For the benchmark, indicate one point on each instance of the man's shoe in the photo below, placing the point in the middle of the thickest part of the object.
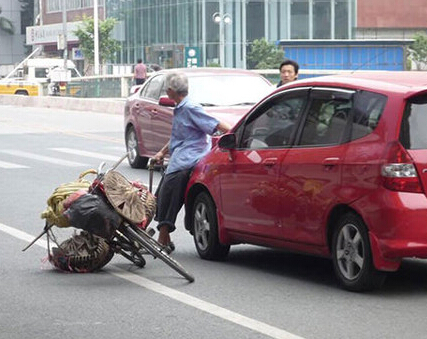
(169, 248)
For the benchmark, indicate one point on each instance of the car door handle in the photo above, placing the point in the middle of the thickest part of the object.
(331, 161)
(269, 162)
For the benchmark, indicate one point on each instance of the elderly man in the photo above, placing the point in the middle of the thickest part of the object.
(188, 143)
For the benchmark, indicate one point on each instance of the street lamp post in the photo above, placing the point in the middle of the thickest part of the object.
(64, 33)
(95, 37)
(221, 19)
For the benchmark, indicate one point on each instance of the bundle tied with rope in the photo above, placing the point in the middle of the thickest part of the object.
(55, 203)
(133, 201)
(83, 252)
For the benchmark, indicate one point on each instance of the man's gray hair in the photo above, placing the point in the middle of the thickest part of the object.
(178, 82)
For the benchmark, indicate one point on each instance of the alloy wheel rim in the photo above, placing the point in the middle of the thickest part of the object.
(131, 146)
(201, 227)
(350, 252)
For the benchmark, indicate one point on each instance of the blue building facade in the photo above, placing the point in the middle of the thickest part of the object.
(348, 55)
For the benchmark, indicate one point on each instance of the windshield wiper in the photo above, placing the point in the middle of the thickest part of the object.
(207, 104)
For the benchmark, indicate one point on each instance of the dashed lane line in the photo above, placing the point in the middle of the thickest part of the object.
(9, 165)
(51, 160)
(86, 153)
(215, 310)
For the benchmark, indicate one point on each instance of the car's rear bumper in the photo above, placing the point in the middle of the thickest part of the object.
(397, 223)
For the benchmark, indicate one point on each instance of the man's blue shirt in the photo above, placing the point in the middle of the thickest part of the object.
(189, 140)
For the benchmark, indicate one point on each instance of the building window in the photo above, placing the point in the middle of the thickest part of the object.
(341, 20)
(56, 5)
(299, 19)
(322, 19)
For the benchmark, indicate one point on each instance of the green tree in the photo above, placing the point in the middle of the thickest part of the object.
(264, 55)
(6, 25)
(418, 50)
(107, 45)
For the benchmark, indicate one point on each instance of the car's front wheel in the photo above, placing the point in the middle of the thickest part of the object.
(206, 229)
(134, 159)
(352, 256)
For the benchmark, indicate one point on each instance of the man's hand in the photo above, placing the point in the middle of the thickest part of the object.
(159, 157)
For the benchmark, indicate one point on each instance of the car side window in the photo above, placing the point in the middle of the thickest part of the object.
(368, 108)
(154, 88)
(326, 121)
(274, 123)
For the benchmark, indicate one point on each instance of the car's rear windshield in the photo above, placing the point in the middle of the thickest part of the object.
(413, 128)
(228, 90)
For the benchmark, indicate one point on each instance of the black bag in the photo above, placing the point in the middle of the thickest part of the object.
(92, 214)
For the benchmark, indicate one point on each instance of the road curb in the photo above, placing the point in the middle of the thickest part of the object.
(100, 105)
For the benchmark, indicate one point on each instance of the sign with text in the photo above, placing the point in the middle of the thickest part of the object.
(48, 34)
(192, 57)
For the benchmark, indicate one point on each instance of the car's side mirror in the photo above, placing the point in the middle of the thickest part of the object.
(165, 101)
(227, 141)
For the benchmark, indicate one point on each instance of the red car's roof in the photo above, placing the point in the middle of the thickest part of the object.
(393, 81)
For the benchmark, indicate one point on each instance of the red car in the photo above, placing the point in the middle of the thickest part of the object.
(224, 93)
(330, 166)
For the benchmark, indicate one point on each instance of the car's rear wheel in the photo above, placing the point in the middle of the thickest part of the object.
(352, 256)
(206, 229)
(134, 159)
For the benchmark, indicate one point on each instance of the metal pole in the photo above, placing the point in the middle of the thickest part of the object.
(96, 36)
(64, 29)
(221, 34)
(41, 12)
(22, 62)
(244, 34)
(204, 31)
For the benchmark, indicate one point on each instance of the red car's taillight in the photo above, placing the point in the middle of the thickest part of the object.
(399, 172)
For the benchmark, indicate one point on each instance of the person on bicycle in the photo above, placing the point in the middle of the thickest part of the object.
(188, 143)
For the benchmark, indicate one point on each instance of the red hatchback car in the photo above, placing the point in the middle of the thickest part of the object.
(224, 93)
(331, 166)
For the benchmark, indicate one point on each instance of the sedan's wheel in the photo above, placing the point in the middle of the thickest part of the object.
(206, 229)
(352, 257)
(134, 159)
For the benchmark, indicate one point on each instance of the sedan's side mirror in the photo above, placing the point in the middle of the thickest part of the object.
(227, 141)
(165, 101)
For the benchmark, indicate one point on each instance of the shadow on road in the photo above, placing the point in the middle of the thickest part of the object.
(411, 278)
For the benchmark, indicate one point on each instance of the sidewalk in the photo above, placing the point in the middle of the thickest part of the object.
(100, 105)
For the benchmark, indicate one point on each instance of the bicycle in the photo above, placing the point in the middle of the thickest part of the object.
(113, 213)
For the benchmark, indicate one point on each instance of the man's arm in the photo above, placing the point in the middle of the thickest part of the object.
(223, 127)
(160, 155)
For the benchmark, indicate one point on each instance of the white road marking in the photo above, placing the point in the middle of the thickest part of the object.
(22, 235)
(205, 306)
(4, 164)
(220, 312)
(51, 160)
(87, 154)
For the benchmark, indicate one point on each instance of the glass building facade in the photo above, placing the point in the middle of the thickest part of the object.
(220, 32)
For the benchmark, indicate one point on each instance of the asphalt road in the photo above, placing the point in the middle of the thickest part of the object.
(256, 293)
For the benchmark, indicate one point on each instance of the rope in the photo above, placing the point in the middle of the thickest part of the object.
(55, 203)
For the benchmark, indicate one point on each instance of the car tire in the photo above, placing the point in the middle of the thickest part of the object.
(205, 229)
(134, 159)
(352, 256)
